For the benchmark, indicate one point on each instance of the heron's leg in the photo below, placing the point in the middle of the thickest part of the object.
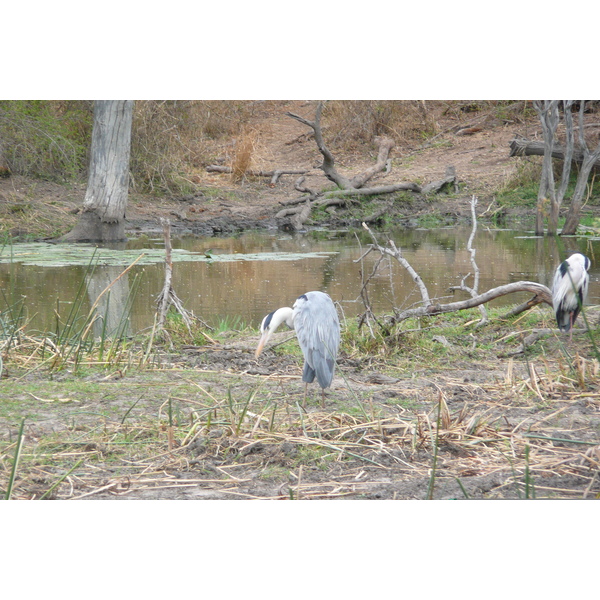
(305, 394)
(323, 397)
(571, 328)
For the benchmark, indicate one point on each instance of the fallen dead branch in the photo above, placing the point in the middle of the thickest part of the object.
(348, 187)
(524, 147)
(541, 294)
(274, 175)
(356, 183)
(437, 186)
(374, 191)
(301, 214)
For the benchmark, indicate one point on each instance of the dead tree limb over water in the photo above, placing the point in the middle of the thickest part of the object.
(429, 307)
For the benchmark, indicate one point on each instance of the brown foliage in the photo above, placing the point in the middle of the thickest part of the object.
(352, 122)
(244, 151)
(171, 138)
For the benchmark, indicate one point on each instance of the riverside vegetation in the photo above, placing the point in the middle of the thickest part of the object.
(436, 408)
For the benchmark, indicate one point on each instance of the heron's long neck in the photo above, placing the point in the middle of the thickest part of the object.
(282, 315)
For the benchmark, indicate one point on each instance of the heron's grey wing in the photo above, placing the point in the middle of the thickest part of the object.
(318, 330)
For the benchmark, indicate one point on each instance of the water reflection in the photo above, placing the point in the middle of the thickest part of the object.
(109, 293)
(249, 289)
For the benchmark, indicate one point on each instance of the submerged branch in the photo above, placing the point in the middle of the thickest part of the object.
(396, 253)
(472, 252)
(541, 294)
(167, 296)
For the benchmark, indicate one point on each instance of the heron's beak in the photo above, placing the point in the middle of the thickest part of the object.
(263, 338)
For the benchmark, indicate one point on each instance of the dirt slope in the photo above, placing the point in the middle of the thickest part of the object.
(219, 205)
(480, 157)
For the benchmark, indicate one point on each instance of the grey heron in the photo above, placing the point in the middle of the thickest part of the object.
(315, 320)
(569, 289)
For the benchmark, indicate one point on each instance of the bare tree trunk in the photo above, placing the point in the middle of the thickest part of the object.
(549, 200)
(569, 150)
(547, 111)
(574, 214)
(589, 160)
(105, 202)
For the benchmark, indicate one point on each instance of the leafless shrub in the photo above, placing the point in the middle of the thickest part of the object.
(170, 137)
(220, 118)
(46, 139)
(359, 121)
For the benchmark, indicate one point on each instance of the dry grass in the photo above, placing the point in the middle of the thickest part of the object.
(176, 433)
(353, 122)
(21, 210)
(243, 155)
(171, 140)
(322, 456)
(45, 139)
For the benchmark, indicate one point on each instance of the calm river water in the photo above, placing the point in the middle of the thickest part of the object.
(247, 288)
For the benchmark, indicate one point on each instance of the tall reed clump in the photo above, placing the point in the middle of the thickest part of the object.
(243, 155)
(100, 332)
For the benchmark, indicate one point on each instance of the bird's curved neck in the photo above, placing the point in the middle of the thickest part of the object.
(282, 315)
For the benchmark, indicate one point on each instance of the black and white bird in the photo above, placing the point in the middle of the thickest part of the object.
(315, 320)
(569, 289)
